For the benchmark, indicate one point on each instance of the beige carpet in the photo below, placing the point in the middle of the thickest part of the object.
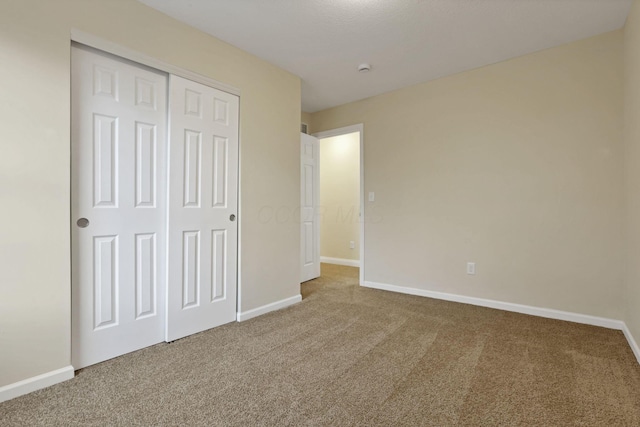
(353, 356)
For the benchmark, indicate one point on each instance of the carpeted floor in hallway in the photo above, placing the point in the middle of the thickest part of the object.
(348, 355)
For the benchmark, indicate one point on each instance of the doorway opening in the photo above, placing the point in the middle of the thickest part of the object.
(341, 207)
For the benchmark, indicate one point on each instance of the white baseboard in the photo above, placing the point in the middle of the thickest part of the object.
(632, 342)
(250, 314)
(340, 261)
(29, 385)
(506, 306)
(518, 308)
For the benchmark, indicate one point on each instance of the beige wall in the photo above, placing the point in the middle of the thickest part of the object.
(516, 166)
(632, 167)
(34, 163)
(340, 196)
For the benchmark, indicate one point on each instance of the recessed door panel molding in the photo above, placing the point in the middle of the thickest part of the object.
(307, 150)
(118, 206)
(192, 103)
(308, 248)
(205, 118)
(191, 176)
(146, 275)
(105, 155)
(190, 268)
(105, 82)
(221, 111)
(218, 264)
(308, 179)
(146, 165)
(309, 207)
(220, 161)
(105, 282)
(146, 93)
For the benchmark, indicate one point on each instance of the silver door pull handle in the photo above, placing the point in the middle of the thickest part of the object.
(232, 217)
(83, 222)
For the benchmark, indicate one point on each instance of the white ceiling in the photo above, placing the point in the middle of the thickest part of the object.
(405, 41)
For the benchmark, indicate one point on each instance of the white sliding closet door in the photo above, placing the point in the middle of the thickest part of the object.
(203, 230)
(118, 222)
(128, 237)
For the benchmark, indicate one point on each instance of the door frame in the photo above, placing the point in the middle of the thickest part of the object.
(343, 131)
(112, 48)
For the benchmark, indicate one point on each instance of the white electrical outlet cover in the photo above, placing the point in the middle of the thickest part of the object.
(471, 268)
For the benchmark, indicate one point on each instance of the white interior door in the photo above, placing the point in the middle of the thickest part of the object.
(203, 230)
(118, 210)
(309, 207)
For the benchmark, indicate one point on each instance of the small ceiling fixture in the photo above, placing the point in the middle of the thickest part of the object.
(364, 68)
